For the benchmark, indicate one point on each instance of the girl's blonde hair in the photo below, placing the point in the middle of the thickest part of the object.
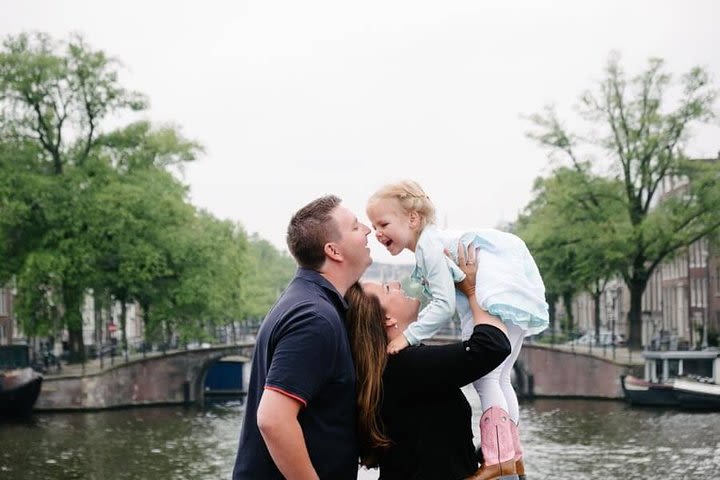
(410, 196)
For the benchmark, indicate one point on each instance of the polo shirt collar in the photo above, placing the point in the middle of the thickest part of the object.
(316, 278)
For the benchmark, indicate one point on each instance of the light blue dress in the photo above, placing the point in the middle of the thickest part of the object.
(508, 283)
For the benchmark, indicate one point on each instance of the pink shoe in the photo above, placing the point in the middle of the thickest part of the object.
(519, 464)
(496, 444)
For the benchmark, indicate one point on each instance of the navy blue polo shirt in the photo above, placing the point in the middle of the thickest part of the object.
(303, 351)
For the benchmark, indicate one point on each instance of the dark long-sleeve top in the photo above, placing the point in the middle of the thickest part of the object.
(425, 413)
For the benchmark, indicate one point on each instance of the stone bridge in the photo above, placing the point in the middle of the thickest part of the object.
(545, 371)
(176, 377)
(553, 371)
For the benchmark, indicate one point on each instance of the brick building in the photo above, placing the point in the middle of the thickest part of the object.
(682, 295)
(6, 316)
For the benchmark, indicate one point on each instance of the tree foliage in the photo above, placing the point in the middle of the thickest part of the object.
(86, 209)
(575, 229)
(641, 126)
(267, 274)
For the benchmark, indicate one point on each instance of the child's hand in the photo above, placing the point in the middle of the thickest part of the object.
(398, 344)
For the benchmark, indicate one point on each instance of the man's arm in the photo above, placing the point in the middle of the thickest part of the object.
(277, 420)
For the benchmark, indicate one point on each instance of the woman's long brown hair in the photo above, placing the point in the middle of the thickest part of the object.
(368, 342)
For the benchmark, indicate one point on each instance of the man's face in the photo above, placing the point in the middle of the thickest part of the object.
(353, 241)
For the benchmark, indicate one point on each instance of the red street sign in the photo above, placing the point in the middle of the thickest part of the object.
(112, 327)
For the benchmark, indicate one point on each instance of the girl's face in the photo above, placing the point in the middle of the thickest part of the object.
(394, 228)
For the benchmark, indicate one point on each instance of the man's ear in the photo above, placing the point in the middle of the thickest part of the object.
(390, 321)
(332, 251)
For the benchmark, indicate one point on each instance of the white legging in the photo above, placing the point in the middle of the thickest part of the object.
(495, 388)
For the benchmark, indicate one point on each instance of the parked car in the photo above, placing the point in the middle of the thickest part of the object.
(606, 338)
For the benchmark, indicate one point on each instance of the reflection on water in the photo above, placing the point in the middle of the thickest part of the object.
(589, 439)
(564, 439)
(155, 443)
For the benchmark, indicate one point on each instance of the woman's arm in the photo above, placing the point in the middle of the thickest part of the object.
(428, 369)
(432, 369)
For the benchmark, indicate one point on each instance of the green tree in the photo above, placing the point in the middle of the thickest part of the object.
(56, 95)
(209, 258)
(53, 97)
(130, 225)
(268, 273)
(643, 134)
(137, 211)
(57, 163)
(86, 210)
(23, 198)
(575, 229)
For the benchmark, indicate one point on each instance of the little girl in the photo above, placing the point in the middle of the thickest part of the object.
(508, 285)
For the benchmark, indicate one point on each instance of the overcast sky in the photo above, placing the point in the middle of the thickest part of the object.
(295, 99)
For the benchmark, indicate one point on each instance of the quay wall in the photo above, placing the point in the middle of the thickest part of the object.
(548, 372)
(178, 378)
(174, 378)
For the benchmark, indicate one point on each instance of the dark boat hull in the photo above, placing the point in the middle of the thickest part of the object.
(641, 392)
(680, 393)
(697, 396)
(19, 399)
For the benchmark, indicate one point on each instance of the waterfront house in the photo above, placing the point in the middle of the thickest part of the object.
(682, 295)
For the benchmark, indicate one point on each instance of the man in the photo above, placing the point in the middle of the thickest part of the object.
(300, 409)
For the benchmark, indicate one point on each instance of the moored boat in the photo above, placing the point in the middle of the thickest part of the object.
(20, 385)
(697, 395)
(687, 379)
(641, 392)
(19, 390)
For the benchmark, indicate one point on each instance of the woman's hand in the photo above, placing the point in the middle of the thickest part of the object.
(466, 262)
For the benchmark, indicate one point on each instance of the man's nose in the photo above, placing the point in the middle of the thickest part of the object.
(394, 285)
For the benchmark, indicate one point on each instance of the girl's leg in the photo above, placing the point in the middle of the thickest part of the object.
(489, 390)
(501, 452)
(495, 388)
(516, 336)
(466, 319)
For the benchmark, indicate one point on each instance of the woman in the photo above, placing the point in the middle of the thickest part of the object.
(414, 421)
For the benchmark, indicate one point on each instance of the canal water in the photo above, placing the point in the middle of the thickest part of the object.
(564, 439)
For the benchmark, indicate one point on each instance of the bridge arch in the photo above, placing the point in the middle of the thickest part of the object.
(197, 384)
(172, 378)
(522, 380)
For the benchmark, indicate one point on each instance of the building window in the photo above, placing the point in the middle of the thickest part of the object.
(3, 303)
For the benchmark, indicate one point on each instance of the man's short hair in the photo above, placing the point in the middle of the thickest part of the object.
(310, 229)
